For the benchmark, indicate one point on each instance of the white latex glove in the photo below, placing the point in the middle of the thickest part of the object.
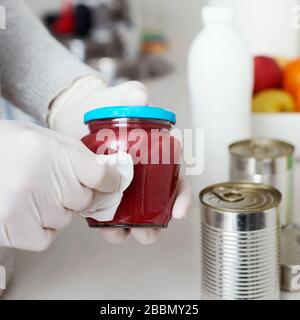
(44, 181)
(66, 115)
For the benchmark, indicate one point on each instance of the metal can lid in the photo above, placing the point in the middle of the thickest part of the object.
(290, 246)
(261, 148)
(240, 197)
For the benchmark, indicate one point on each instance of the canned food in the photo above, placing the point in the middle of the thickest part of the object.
(240, 241)
(268, 161)
(290, 258)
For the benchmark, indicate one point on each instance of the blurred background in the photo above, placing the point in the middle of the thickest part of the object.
(127, 32)
(123, 39)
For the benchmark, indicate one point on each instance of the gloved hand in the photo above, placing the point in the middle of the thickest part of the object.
(66, 115)
(44, 182)
(67, 110)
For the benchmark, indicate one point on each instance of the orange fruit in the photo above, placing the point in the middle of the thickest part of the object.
(291, 78)
(297, 99)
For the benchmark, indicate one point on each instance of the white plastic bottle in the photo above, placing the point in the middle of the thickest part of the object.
(220, 71)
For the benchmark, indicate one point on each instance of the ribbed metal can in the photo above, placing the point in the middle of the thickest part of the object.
(240, 241)
(263, 160)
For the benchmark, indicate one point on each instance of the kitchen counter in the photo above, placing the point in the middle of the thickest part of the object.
(81, 265)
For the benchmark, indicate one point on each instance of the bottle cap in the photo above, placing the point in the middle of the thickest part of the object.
(143, 112)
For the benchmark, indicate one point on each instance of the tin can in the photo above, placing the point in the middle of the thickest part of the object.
(290, 258)
(240, 241)
(267, 161)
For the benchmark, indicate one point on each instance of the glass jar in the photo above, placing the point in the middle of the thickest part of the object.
(144, 133)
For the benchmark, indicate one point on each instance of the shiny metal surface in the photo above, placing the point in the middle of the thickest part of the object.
(268, 161)
(240, 242)
(290, 258)
(6, 267)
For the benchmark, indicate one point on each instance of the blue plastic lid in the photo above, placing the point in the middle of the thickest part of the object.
(145, 112)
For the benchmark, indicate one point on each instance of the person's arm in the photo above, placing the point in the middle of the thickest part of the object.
(38, 74)
(34, 67)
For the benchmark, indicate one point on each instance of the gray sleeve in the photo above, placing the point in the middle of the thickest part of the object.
(34, 67)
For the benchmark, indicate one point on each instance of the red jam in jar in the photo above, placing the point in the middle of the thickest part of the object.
(144, 133)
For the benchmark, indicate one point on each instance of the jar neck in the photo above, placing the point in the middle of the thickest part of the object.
(130, 123)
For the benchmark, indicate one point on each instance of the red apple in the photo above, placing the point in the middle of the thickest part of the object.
(267, 74)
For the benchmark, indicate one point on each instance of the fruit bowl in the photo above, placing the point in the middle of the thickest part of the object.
(282, 126)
